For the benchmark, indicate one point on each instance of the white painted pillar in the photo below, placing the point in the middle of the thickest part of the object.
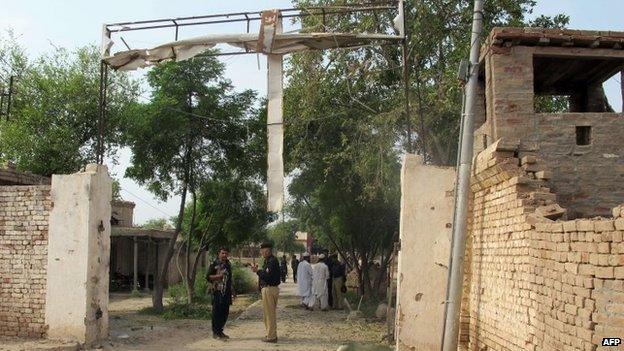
(78, 256)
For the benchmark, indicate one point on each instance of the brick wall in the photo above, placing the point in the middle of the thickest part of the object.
(579, 178)
(23, 259)
(534, 281)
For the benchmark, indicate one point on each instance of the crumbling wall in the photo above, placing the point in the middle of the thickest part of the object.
(426, 217)
(579, 179)
(24, 214)
(533, 281)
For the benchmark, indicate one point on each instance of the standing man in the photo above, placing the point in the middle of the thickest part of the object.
(220, 274)
(304, 282)
(330, 263)
(339, 277)
(319, 283)
(284, 268)
(269, 278)
(294, 264)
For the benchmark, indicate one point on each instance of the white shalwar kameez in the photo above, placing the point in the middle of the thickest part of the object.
(304, 283)
(319, 285)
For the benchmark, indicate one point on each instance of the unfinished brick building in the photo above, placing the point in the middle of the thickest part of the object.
(543, 271)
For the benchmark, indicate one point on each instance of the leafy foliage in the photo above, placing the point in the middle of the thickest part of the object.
(52, 129)
(283, 237)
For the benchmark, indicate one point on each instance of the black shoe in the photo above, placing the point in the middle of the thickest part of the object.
(273, 341)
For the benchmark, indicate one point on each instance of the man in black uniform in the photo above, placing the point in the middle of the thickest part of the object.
(294, 264)
(220, 274)
(269, 277)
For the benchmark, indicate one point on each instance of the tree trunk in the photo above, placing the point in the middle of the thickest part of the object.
(161, 277)
(190, 279)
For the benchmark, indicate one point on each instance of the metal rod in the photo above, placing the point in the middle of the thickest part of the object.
(456, 263)
(377, 6)
(125, 27)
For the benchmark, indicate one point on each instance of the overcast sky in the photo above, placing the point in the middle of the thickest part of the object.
(75, 23)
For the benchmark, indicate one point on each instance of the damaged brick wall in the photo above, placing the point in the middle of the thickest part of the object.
(533, 281)
(24, 214)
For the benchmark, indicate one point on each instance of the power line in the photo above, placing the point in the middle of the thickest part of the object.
(146, 202)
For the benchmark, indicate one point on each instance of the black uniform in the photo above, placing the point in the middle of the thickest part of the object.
(269, 275)
(330, 299)
(221, 294)
(294, 263)
(284, 269)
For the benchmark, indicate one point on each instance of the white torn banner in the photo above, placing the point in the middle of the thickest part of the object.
(275, 132)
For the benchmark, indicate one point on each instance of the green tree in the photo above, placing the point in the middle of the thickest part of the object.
(346, 122)
(157, 223)
(283, 236)
(52, 127)
(193, 126)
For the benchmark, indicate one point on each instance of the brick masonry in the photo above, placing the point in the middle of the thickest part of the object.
(579, 179)
(533, 280)
(24, 214)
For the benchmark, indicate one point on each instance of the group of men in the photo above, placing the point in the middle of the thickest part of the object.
(321, 285)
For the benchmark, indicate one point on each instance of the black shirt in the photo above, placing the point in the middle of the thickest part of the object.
(269, 275)
(338, 270)
(222, 287)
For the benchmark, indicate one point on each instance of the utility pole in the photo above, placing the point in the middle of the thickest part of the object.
(8, 96)
(456, 264)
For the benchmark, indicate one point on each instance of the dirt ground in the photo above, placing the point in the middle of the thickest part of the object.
(298, 329)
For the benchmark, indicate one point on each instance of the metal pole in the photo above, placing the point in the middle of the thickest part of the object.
(456, 263)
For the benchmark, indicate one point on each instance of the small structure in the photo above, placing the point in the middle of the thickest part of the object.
(136, 253)
(306, 239)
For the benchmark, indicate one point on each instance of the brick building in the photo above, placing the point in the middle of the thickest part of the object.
(543, 272)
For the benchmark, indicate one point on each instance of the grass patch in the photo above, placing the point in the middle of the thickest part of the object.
(181, 311)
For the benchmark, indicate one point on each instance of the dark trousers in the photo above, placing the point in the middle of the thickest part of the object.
(330, 299)
(220, 312)
(295, 276)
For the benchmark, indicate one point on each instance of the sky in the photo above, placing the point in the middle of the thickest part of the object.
(40, 24)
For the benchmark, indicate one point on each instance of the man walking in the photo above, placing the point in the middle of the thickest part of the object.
(269, 277)
(294, 264)
(284, 269)
(319, 283)
(304, 281)
(220, 274)
(339, 277)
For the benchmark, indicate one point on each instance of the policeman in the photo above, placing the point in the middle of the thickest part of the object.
(269, 277)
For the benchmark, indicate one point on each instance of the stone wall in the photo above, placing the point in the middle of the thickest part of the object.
(426, 217)
(24, 214)
(534, 281)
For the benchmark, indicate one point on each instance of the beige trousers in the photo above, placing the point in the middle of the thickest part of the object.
(270, 294)
(337, 293)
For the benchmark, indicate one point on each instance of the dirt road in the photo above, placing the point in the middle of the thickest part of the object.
(298, 329)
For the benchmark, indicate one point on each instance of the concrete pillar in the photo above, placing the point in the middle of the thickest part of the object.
(426, 218)
(78, 256)
(135, 264)
(147, 264)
